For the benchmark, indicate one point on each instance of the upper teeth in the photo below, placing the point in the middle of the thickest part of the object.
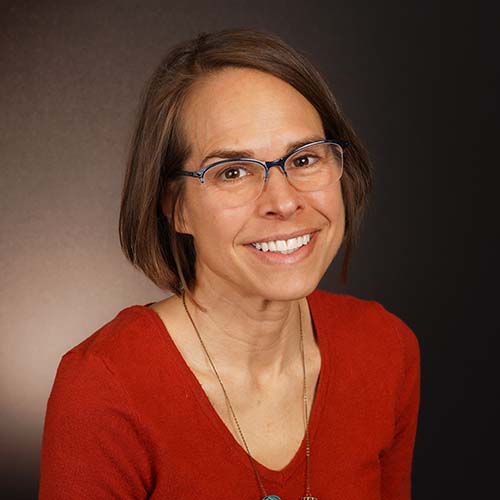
(283, 245)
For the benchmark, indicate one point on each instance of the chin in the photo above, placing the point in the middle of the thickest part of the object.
(287, 290)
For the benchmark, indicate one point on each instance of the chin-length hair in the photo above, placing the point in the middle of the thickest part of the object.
(152, 194)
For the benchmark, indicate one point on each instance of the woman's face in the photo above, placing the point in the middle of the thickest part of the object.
(245, 109)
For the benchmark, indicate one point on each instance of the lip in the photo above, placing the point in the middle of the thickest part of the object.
(282, 236)
(277, 258)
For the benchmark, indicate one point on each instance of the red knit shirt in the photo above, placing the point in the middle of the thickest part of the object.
(127, 418)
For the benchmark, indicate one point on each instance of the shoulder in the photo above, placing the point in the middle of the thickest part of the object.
(110, 367)
(366, 325)
(122, 343)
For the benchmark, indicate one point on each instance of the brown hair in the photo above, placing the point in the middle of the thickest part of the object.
(151, 194)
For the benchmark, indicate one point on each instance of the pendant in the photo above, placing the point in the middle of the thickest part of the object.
(276, 497)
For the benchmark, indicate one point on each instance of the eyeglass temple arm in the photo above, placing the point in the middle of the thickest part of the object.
(187, 174)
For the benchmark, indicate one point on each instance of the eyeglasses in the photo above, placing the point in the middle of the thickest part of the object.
(238, 181)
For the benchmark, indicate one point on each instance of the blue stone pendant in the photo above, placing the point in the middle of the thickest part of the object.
(276, 497)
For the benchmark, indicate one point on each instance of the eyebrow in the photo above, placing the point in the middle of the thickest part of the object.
(231, 153)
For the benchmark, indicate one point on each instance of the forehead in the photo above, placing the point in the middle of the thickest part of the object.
(241, 107)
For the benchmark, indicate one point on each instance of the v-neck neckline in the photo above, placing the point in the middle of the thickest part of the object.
(277, 476)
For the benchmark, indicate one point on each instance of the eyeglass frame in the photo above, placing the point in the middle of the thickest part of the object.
(200, 174)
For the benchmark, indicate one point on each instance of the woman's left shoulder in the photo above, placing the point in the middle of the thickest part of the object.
(367, 321)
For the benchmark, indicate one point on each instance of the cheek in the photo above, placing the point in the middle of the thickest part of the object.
(330, 203)
(210, 225)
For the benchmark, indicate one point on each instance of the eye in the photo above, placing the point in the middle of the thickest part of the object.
(234, 172)
(304, 160)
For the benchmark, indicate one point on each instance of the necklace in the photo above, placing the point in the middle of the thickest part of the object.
(306, 416)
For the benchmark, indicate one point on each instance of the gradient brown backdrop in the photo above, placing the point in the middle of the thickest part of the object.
(71, 74)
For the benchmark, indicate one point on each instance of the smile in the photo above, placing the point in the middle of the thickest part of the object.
(283, 246)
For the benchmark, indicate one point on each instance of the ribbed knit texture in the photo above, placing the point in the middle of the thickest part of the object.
(127, 418)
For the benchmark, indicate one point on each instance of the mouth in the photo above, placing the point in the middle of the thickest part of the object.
(285, 251)
(284, 246)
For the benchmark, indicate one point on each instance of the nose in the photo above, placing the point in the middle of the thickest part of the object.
(278, 195)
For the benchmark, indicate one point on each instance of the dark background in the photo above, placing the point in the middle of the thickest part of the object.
(416, 79)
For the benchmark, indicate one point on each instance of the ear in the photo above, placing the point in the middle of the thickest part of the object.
(181, 223)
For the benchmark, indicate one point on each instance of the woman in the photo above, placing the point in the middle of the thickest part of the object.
(248, 382)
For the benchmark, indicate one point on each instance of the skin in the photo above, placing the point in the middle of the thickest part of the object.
(251, 329)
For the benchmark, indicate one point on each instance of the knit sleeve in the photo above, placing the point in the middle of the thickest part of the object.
(92, 446)
(396, 461)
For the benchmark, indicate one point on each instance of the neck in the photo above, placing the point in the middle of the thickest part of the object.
(250, 337)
